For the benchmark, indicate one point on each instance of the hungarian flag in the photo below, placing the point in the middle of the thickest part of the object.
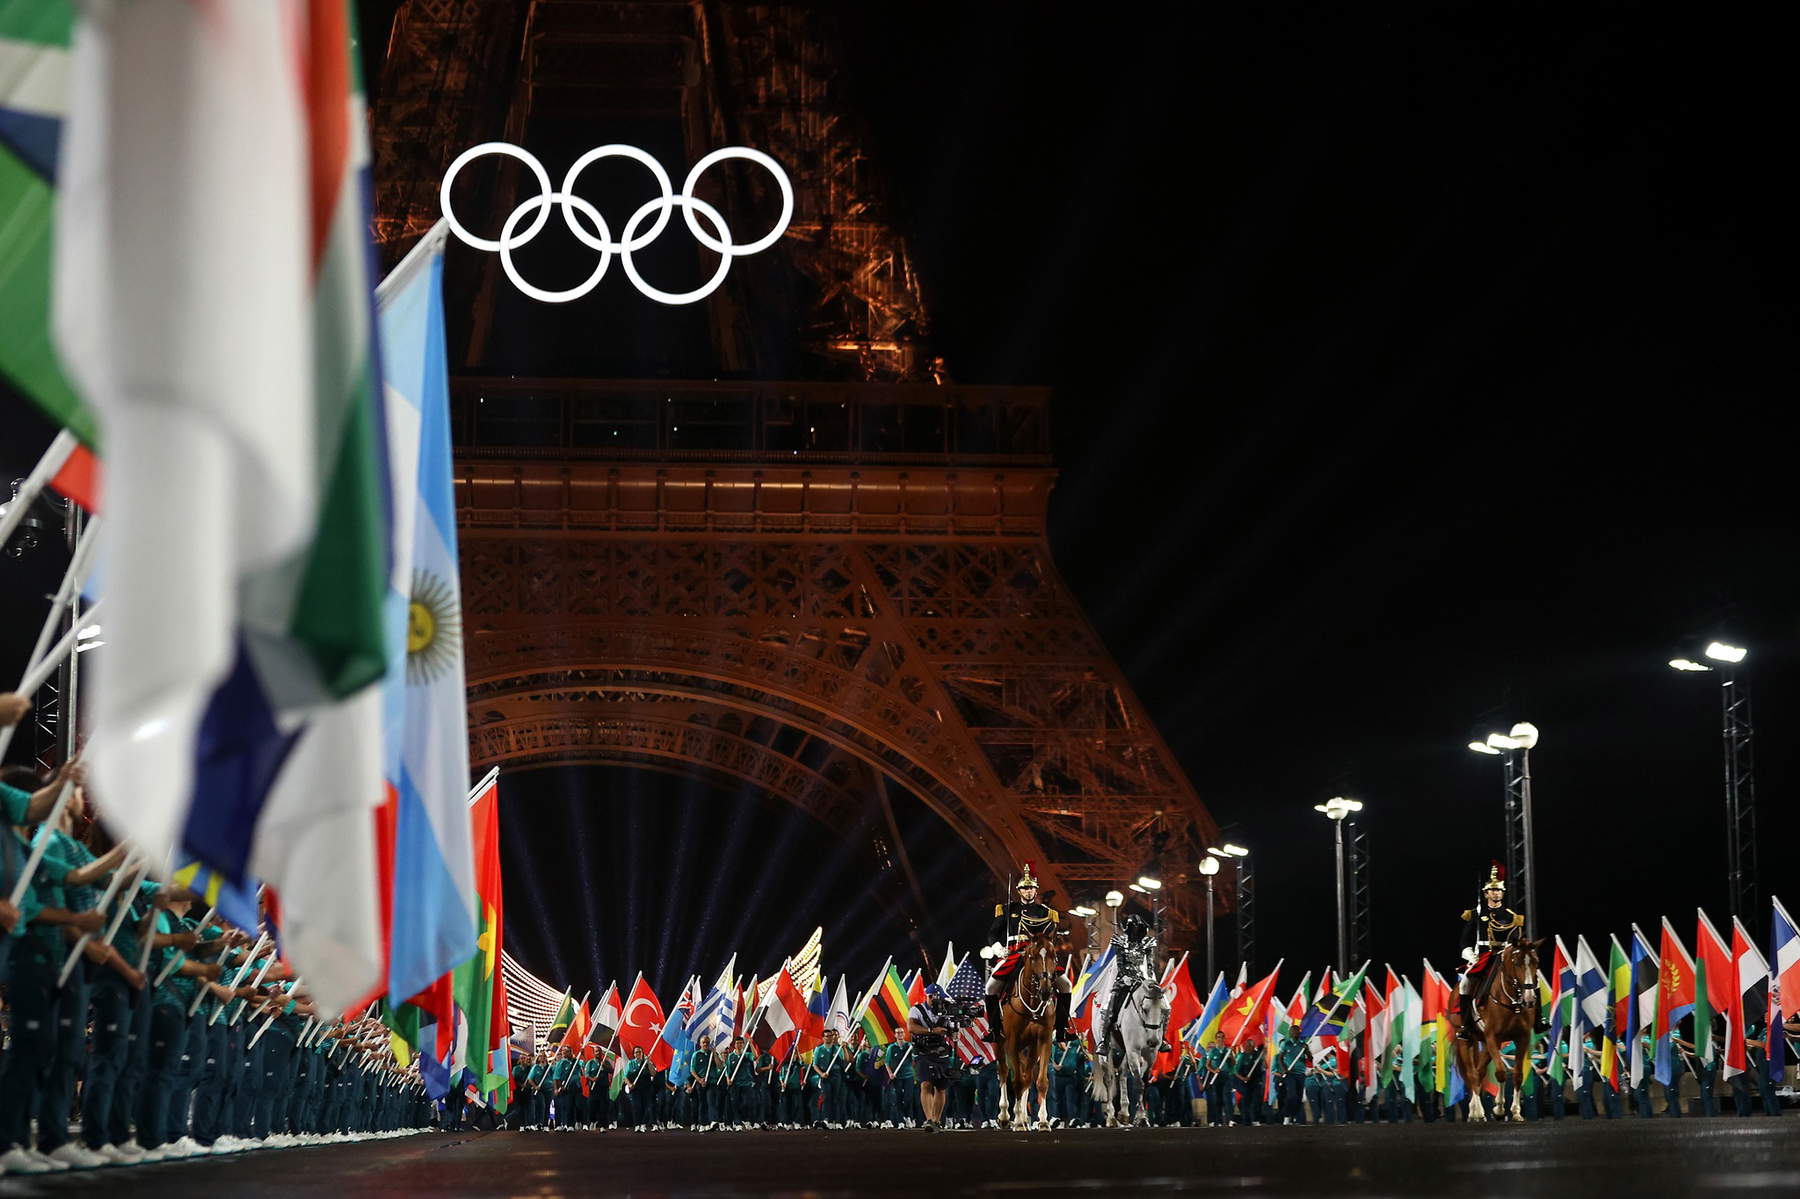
(1716, 980)
(1674, 1000)
(212, 305)
(1244, 1014)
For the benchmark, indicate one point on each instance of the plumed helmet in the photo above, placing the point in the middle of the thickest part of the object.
(1496, 879)
(1026, 878)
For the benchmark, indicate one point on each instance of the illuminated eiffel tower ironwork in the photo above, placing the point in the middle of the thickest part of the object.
(834, 589)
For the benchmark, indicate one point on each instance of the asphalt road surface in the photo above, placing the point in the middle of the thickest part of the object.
(1627, 1157)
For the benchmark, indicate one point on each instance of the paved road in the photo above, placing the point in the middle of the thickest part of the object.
(1653, 1158)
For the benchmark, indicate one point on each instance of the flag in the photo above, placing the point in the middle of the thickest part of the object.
(947, 970)
(1749, 971)
(786, 1012)
(641, 1025)
(1715, 978)
(1332, 1008)
(1613, 1049)
(1410, 1040)
(1203, 1030)
(1784, 983)
(673, 1038)
(1562, 1012)
(235, 902)
(891, 993)
(1096, 977)
(1674, 1000)
(915, 992)
(966, 987)
(565, 1016)
(1646, 975)
(34, 95)
(1244, 1013)
(1590, 1002)
(212, 304)
(580, 1027)
(1393, 1024)
(715, 1015)
(817, 1007)
(481, 987)
(1185, 1005)
(606, 1014)
(1375, 1036)
(837, 1016)
(426, 751)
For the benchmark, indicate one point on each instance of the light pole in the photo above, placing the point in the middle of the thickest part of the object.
(1209, 866)
(1740, 776)
(1243, 895)
(1336, 808)
(1521, 844)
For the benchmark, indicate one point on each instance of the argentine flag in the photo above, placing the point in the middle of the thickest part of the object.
(426, 752)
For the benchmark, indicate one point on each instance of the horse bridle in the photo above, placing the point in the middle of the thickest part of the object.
(1502, 994)
(1035, 1011)
(1136, 986)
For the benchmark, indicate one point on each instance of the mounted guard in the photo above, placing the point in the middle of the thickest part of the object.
(1014, 924)
(1487, 927)
(1134, 946)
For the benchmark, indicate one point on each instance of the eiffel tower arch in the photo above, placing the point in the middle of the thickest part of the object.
(837, 589)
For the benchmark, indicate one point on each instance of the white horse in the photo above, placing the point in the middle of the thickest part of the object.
(1122, 1066)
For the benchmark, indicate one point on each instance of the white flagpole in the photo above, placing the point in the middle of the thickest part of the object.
(41, 474)
(271, 1020)
(235, 982)
(238, 1012)
(176, 961)
(81, 942)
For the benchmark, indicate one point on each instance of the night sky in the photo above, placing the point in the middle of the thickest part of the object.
(1413, 376)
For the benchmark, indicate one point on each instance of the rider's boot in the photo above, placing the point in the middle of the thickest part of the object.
(993, 1017)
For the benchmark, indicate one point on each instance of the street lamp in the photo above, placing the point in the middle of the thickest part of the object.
(1082, 910)
(1515, 747)
(1336, 808)
(1114, 899)
(1740, 772)
(1209, 866)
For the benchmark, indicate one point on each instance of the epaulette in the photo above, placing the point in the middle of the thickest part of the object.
(1055, 916)
(999, 910)
(1468, 912)
(1518, 921)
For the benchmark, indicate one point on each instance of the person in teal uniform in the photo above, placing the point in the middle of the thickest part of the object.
(559, 1080)
(740, 1084)
(829, 1065)
(1705, 1073)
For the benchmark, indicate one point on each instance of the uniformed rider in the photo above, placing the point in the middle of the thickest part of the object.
(1486, 927)
(1013, 924)
(1134, 949)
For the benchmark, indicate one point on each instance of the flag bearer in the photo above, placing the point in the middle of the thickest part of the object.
(828, 1066)
(1067, 1103)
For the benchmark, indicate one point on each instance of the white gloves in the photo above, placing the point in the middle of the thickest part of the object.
(1469, 954)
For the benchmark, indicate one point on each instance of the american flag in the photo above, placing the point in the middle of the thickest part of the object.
(966, 988)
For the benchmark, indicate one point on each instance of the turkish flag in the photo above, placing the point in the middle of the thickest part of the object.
(641, 1025)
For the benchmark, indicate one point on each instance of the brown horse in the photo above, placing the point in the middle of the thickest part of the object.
(1028, 1026)
(1508, 1009)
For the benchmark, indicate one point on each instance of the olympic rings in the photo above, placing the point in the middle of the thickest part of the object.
(694, 211)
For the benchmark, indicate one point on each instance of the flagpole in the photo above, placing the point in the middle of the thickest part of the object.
(238, 1012)
(112, 889)
(176, 961)
(235, 982)
(267, 1024)
(52, 461)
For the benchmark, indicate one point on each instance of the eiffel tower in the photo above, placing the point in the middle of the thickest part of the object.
(835, 585)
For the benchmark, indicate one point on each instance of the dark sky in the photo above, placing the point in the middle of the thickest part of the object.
(1413, 375)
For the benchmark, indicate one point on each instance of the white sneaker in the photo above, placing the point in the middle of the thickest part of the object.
(132, 1151)
(154, 1155)
(115, 1155)
(77, 1156)
(18, 1161)
(45, 1158)
(190, 1147)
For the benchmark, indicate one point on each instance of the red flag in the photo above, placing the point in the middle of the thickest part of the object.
(1246, 1011)
(915, 992)
(786, 1014)
(1721, 985)
(577, 1033)
(641, 1025)
(79, 478)
(1184, 1008)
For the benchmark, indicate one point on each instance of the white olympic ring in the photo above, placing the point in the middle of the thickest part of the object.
(693, 211)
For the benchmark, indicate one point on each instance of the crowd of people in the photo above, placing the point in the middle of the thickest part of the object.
(140, 1027)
